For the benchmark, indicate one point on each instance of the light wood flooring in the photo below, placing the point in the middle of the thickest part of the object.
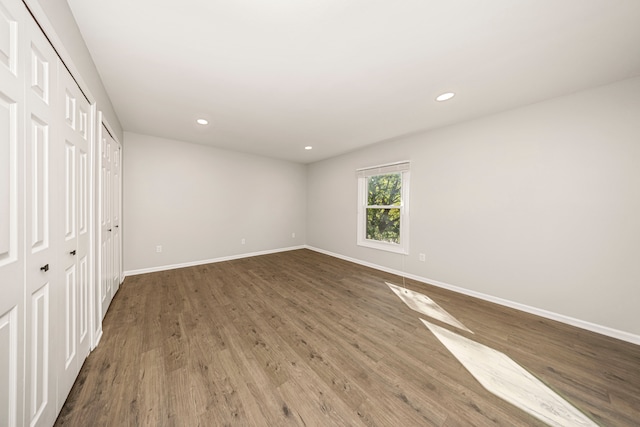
(303, 339)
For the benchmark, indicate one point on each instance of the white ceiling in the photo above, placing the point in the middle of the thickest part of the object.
(273, 76)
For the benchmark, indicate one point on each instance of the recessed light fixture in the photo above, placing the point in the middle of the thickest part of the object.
(202, 121)
(445, 96)
(308, 147)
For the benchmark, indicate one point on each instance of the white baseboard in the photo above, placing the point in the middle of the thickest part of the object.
(208, 261)
(603, 330)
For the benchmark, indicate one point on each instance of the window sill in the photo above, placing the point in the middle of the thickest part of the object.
(383, 246)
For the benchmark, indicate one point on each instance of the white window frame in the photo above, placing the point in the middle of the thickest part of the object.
(363, 174)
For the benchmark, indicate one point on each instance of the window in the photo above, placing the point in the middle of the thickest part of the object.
(383, 207)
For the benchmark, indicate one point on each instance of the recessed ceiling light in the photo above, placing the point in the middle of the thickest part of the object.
(202, 121)
(445, 96)
(308, 147)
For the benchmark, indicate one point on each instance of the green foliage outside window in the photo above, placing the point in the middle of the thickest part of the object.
(383, 218)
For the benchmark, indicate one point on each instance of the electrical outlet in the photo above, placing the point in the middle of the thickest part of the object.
(293, 235)
(158, 248)
(243, 241)
(422, 257)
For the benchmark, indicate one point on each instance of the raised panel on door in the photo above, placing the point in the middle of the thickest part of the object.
(11, 16)
(11, 140)
(70, 323)
(10, 368)
(39, 396)
(12, 298)
(74, 315)
(43, 271)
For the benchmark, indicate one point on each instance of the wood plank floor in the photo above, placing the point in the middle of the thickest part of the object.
(303, 339)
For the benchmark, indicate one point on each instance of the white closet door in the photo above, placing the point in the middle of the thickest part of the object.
(45, 224)
(106, 223)
(44, 272)
(74, 113)
(116, 167)
(12, 60)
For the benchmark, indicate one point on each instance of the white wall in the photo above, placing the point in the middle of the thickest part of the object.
(198, 202)
(539, 205)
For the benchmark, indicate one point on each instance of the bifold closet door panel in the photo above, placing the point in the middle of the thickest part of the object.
(106, 219)
(74, 311)
(12, 252)
(116, 270)
(44, 271)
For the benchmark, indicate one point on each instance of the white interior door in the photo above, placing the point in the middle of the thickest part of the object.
(106, 223)
(74, 113)
(12, 60)
(44, 272)
(116, 213)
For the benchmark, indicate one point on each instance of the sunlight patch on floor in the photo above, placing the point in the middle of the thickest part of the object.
(503, 377)
(425, 305)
